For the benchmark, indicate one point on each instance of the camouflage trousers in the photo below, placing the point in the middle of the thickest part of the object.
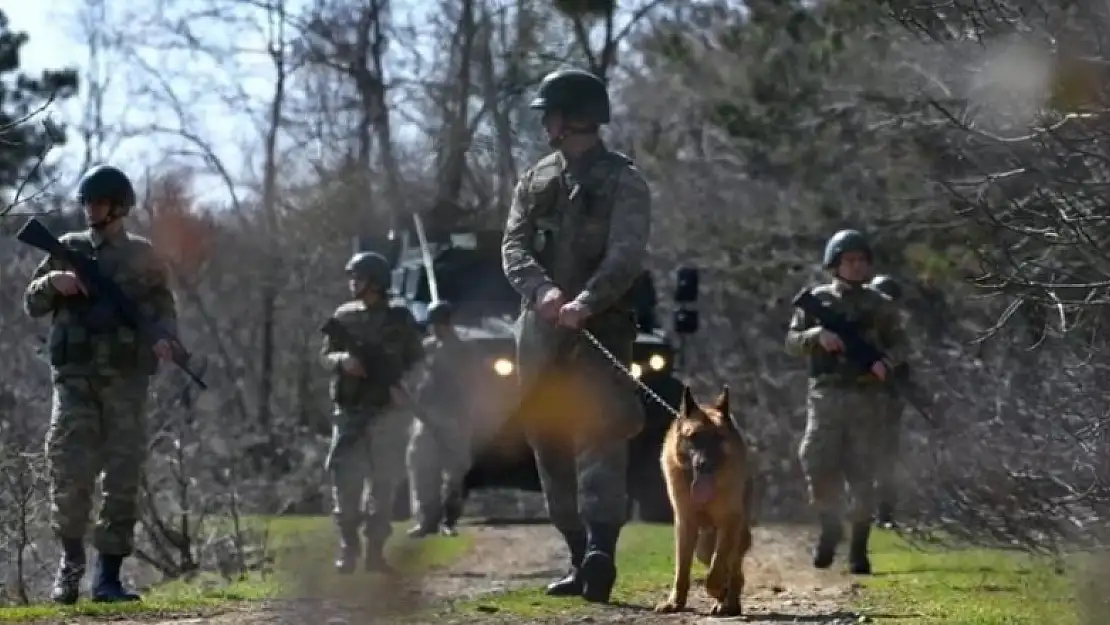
(843, 443)
(890, 473)
(98, 428)
(439, 455)
(579, 415)
(366, 462)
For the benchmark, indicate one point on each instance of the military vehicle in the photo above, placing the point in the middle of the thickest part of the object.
(468, 273)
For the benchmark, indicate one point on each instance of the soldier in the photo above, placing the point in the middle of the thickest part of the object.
(370, 423)
(439, 453)
(101, 375)
(846, 410)
(573, 245)
(886, 487)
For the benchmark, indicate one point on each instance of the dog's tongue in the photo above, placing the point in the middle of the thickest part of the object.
(701, 491)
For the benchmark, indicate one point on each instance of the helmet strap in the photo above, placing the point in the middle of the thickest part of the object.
(114, 215)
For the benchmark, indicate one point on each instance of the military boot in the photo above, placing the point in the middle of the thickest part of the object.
(858, 562)
(885, 516)
(829, 539)
(67, 582)
(452, 511)
(374, 558)
(599, 567)
(348, 550)
(107, 587)
(570, 585)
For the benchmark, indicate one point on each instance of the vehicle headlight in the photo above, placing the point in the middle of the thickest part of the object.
(657, 362)
(503, 367)
(636, 370)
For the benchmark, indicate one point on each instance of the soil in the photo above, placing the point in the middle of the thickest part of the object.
(782, 587)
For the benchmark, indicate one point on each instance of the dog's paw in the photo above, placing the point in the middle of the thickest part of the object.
(669, 606)
(722, 608)
(716, 585)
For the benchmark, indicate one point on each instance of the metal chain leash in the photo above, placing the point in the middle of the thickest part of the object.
(613, 360)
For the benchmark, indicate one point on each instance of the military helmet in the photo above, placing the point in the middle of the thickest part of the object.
(370, 267)
(845, 241)
(440, 312)
(887, 286)
(576, 93)
(105, 183)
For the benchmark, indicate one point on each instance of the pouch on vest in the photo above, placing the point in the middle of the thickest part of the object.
(69, 345)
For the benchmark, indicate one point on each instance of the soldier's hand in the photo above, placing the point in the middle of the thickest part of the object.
(573, 315)
(879, 369)
(351, 366)
(550, 300)
(164, 349)
(830, 342)
(66, 283)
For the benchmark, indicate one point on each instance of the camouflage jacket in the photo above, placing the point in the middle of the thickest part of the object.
(449, 364)
(390, 329)
(582, 226)
(879, 321)
(86, 337)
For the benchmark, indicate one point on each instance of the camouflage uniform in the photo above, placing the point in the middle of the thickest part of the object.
(889, 471)
(367, 453)
(846, 410)
(439, 452)
(581, 224)
(101, 373)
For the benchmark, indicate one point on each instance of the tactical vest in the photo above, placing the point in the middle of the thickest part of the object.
(571, 217)
(374, 390)
(88, 336)
(836, 367)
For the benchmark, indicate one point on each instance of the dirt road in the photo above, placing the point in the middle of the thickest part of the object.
(782, 588)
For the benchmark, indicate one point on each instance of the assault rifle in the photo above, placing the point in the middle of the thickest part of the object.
(860, 352)
(104, 289)
(367, 355)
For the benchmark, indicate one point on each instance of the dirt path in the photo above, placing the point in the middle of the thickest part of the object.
(782, 587)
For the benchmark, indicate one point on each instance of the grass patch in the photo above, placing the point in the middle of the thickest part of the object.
(303, 549)
(964, 586)
(646, 555)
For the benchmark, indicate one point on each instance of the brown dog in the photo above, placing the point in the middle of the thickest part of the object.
(708, 468)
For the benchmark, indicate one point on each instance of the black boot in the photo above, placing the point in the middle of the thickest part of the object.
(885, 516)
(570, 585)
(599, 569)
(452, 511)
(108, 588)
(67, 582)
(347, 559)
(831, 534)
(375, 561)
(858, 562)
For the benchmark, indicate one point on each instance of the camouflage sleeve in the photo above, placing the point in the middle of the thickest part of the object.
(40, 298)
(331, 353)
(412, 352)
(517, 260)
(629, 229)
(892, 332)
(160, 296)
(801, 337)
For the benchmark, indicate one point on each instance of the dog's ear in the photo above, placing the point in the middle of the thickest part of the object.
(721, 403)
(689, 404)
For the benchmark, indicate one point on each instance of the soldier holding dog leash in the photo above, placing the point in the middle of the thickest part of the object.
(573, 245)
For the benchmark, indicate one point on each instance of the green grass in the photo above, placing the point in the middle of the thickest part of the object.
(912, 587)
(646, 568)
(963, 587)
(302, 547)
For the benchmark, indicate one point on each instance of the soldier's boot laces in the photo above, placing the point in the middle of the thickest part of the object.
(858, 561)
(347, 560)
(570, 585)
(825, 551)
(108, 588)
(67, 582)
(599, 570)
